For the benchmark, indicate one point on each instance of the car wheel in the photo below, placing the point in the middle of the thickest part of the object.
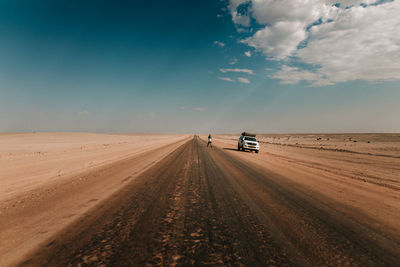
(238, 147)
(257, 151)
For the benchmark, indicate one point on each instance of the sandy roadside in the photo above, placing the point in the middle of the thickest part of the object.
(340, 177)
(29, 161)
(48, 180)
(377, 162)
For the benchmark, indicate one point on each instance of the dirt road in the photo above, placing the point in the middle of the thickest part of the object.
(205, 206)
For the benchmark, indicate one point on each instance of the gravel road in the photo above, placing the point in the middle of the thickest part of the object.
(204, 206)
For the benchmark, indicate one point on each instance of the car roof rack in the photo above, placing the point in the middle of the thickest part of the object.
(248, 134)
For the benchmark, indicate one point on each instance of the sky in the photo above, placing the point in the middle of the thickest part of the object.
(211, 66)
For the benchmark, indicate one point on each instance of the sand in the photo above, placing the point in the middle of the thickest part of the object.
(50, 180)
(47, 180)
(28, 161)
(372, 158)
(365, 177)
(219, 206)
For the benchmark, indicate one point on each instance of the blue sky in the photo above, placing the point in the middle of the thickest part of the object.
(180, 66)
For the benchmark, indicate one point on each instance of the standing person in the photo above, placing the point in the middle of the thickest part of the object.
(209, 140)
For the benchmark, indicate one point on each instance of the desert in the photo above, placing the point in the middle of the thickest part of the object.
(200, 133)
(48, 180)
(58, 188)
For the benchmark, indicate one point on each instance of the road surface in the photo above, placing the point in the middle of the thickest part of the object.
(204, 206)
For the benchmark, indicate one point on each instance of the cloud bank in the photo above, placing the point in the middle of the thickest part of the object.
(324, 42)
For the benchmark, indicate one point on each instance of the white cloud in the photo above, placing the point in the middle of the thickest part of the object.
(243, 30)
(366, 45)
(237, 18)
(239, 79)
(243, 80)
(226, 79)
(234, 4)
(293, 75)
(240, 19)
(278, 41)
(347, 3)
(220, 44)
(247, 53)
(248, 71)
(337, 43)
(233, 61)
(303, 11)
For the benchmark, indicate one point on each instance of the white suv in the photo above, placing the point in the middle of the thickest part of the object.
(248, 141)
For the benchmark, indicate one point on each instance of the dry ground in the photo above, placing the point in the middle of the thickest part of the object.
(179, 202)
(48, 180)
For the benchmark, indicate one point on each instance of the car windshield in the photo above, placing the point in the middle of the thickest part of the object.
(250, 138)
